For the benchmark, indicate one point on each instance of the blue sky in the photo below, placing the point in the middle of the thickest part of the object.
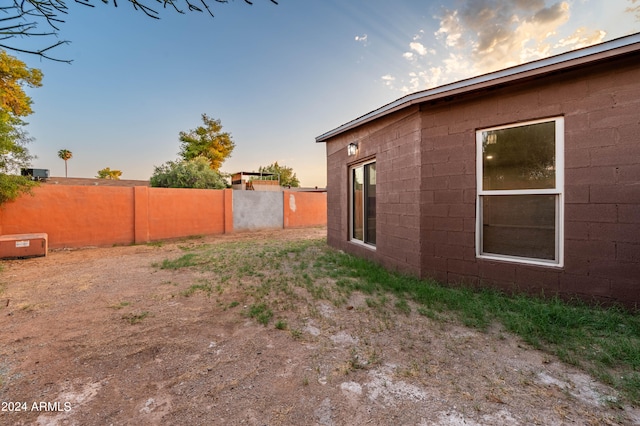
(276, 76)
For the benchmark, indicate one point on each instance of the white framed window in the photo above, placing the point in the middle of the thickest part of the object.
(362, 203)
(520, 180)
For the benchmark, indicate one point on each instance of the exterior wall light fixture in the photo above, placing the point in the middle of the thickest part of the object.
(352, 149)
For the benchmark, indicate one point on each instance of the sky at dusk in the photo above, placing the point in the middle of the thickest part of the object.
(276, 76)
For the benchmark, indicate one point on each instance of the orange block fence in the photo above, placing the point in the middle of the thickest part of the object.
(77, 216)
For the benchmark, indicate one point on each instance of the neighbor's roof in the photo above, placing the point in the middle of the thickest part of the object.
(94, 182)
(253, 174)
(540, 67)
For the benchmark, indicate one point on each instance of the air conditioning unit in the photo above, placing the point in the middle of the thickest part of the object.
(36, 174)
(22, 246)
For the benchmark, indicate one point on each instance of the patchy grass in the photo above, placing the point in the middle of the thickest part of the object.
(185, 261)
(135, 318)
(193, 237)
(604, 342)
(204, 287)
(403, 307)
(261, 313)
(120, 305)
(3, 287)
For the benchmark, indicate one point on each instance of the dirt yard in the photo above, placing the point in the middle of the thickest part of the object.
(103, 336)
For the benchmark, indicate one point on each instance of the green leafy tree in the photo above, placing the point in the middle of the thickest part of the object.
(208, 141)
(66, 155)
(14, 104)
(25, 18)
(14, 75)
(109, 174)
(285, 174)
(194, 173)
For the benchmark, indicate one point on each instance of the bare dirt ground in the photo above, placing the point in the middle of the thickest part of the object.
(73, 352)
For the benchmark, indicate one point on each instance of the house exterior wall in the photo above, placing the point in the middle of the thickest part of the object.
(394, 143)
(601, 110)
(426, 205)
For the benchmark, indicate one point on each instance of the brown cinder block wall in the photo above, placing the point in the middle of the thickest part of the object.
(394, 142)
(426, 188)
(601, 109)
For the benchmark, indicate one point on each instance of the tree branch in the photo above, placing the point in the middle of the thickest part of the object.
(40, 52)
(23, 17)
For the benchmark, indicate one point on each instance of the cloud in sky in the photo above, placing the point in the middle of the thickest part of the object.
(388, 80)
(634, 9)
(481, 36)
(451, 29)
(582, 37)
(362, 39)
(502, 33)
(418, 48)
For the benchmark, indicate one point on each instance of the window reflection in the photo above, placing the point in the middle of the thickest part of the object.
(363, 203)
(370, 175)
(358, 206)
(519, 225)
(519, 157)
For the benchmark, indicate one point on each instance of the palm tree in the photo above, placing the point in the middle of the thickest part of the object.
(65, 155)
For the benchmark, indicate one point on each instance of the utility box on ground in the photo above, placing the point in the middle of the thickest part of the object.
(20, 246)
